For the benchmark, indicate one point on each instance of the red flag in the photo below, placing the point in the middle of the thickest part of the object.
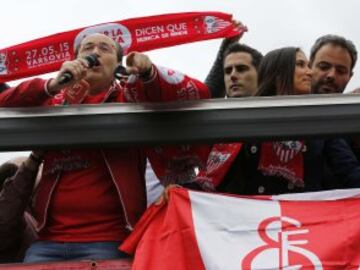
(141, 34)
(207, 231)
(165, 237)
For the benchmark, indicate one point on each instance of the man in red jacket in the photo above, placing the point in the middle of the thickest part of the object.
(88, 200)
(81, 207)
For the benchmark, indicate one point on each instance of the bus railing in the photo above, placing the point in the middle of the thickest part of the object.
(255, 118)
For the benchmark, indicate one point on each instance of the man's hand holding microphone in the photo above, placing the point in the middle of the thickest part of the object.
(75, 71)
(71, 72)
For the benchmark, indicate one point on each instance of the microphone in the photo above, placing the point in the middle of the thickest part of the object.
(91, 60)
(120, 72)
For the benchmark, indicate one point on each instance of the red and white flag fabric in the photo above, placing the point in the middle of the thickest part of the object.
(197, 230)
(46, 54)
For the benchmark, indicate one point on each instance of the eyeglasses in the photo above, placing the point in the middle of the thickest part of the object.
(102, 47)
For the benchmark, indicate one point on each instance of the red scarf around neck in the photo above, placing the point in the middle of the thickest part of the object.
(283, 159)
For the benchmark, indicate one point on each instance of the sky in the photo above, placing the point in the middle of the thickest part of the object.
(272, 24)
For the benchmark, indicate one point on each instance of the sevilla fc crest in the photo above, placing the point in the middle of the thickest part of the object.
(213, 24)
(287, 150)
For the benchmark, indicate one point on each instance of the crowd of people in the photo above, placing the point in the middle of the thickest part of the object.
(74, 204)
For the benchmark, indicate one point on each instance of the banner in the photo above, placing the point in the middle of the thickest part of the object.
(139, 34)
(198, 230)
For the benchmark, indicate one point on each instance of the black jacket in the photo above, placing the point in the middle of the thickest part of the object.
(323, 159)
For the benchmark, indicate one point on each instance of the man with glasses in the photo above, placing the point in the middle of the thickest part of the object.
(88, 200)
(81, 206)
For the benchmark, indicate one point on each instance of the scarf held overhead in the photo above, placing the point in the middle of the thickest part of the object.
(46, 54)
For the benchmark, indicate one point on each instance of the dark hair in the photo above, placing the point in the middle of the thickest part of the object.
(3, 87)
(276, 72)
(237, 47)
(118, 48)
(337, 41)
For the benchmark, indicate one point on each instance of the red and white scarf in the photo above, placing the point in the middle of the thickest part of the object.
(46, 54)
(218, 164)
(284, 159)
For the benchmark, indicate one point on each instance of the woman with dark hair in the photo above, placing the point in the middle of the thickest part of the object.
(289, 166)
(284, 71)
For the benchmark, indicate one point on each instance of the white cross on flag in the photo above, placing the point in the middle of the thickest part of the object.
(198, 230)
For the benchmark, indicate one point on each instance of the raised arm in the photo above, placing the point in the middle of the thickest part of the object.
(150, 83)
(215, 78)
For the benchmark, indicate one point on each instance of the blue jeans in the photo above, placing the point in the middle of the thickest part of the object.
(48, 251)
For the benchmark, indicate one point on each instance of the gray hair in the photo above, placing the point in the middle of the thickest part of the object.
(337, 41)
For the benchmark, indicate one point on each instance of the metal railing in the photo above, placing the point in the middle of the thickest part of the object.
(255, 118)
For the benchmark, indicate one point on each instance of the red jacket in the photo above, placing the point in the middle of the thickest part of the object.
(172, 164)
(126, 165)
